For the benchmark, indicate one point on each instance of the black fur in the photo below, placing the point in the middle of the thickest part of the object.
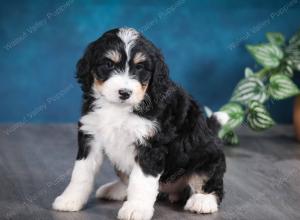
(187, 141)
(83, 144)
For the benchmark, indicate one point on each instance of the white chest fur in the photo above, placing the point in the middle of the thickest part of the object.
(115, 130)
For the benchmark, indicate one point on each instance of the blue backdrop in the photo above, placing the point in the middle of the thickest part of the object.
(203, 43)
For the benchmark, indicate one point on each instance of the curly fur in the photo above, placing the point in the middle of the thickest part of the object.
(186, 143)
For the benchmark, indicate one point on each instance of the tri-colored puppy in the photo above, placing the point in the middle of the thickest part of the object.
(150, 129)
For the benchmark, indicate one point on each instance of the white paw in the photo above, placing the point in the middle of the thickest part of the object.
(135, 211)
(112, 191)
(202, 203)
(68, 202)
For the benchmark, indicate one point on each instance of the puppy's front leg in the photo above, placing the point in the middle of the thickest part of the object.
(141, 196)
(81, 185)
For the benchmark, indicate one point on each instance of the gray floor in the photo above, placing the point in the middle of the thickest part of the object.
(262, 181)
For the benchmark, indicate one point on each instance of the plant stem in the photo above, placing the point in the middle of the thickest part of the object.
(262, 73)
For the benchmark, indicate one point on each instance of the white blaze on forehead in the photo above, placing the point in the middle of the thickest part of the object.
(113, 55)
(128, 36)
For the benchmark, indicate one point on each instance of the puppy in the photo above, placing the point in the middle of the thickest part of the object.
(150, 129)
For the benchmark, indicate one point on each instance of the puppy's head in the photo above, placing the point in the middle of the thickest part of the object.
(122, 67)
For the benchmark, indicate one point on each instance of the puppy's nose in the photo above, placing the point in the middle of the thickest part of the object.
(124, 93)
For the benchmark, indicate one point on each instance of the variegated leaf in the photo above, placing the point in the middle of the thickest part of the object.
(295, 39)
(275, 38)
(248, 72)
(258, 117)
(249, 89)
(287, 70)
(235, 113)
(268, 55)
(228, 136)
(281, 87)
(293, 51)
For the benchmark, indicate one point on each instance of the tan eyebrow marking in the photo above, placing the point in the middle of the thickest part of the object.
(113, 55)
(139, 57)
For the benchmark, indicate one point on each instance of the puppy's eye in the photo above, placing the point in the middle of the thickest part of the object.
(108, 64)
(139, 66)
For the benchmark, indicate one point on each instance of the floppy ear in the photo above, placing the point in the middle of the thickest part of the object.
(160, 80)
(83, 70)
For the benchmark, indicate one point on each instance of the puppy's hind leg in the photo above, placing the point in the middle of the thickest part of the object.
(115, 190)
(207, 189)
(200, 201)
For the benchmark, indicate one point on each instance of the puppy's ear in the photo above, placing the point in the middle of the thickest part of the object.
(160, 80)
(83, 69)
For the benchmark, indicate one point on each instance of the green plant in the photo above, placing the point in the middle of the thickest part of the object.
(279, 60)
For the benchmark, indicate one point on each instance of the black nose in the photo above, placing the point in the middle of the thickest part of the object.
(124, 93)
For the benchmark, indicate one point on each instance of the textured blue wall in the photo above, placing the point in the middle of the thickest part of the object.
(203, 42)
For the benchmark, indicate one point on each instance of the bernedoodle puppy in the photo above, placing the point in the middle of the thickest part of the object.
(150, 129)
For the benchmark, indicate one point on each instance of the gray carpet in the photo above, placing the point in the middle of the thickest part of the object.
(262, 181)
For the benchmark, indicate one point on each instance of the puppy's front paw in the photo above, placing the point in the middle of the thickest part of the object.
(135, 211)
(68, 202)
(202, 203)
